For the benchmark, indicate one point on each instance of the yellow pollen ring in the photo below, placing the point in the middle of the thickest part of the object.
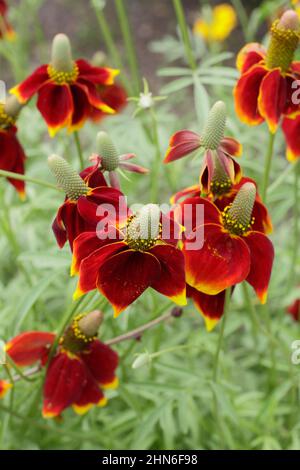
(5, 120)
(63, 78)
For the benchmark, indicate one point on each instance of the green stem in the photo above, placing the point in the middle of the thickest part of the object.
(184, 33)
(157, 159)
(295, 249)
(243, 17)
(129, 44)
(79, 149)
(18, 370)
(17, 176)
(221, 335)
(268, 163)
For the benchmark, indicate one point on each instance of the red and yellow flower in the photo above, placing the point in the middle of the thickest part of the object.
(6, 30)
(4, 387)
(233, 251)
(264, 90)
(67, 90)
(219, 169)
(85, 194)
(142, 254)
(81, 369)
(12, 156)
(113, 96)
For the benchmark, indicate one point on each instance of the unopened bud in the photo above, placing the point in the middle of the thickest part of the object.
(142, 360)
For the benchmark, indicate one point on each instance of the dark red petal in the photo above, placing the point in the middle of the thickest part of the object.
(291, 130)
(231, 146)
(90, 396)
(32, 84)
(125, 276)
(81, 108)
(89, 266)
(70, 218)
(96, 75)
(114, 96)
(12, 157)
(181, 150)
(250, 55)
(294, 310)
(222, 262)
(190, 191)
(272, 98)
(262, 256)
(211, 307)
(102, 361)
(246, 95)
(29, 347)
(55, 103)
(93, 176)
(171, 281)
(59, 228)
(65, 379)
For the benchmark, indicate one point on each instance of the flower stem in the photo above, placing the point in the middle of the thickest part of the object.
(184, 33)
(268, 163)
(129, 44)
(138, 331)
(157, 159)
(17, 176)
(79, 149)
(221, 335)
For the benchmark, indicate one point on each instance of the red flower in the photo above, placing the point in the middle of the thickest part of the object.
(12, 156)
(232, 251)
(124, 266)
(85, 193)
(294, 310)
(219, 169)
(6, 30)
(81, 369)
(4, 387)
(291, 130)
(66, 89)
(211, 307)
(264, 90)
(114, 96)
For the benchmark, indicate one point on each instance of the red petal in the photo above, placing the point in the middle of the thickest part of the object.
(223, 261)
(291, 130)
(55, 103)
(190, 191)
(102, 361)
(262, 255)
(12, 157)
(210, 306)
(250, 55)
(65, 380)
(125, 276)
(93, 176)
(81, 107)
(31, 85)
(29, 347)
(231, 146)
(272, 98)
(293, 309)
(93, 97)
(90, 395)
(246, 95)
(171, 281)
(4, 387)
(114, 96)
(89, 266)
(181, 150)
(96, 75)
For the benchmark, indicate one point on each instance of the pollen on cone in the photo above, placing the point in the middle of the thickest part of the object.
(213, 132)
(67, 178)
(90, 323)
(242, 206)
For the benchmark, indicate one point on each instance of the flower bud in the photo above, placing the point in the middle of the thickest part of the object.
(90, 323)
(142, 360)
(67, 178)
(107, 151)
(213, 132)
(61, 55)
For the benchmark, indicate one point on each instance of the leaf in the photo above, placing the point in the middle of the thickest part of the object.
(176, 85)
(201, 100)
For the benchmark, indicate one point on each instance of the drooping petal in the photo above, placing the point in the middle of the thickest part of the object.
(12, 157)
(272, 98)
(91, 395)
(122, 278)
(171, 281)
(55, 104)
(190, 191)
(93, 176)
(211, 307)
(25, 90)
(97, 75)
(249, 55)
(81, 108)
(114, 96)
(291, 130)
(93, 96)
(181, 144)
(102, 361)
(4, 387)
(29, 347)
(65, 379)
(231, 146)
(246, 95)
(89, 266)
(294, 310)
(262, 256)
(222, 262)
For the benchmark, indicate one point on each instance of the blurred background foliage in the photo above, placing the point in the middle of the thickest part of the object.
(171, 403)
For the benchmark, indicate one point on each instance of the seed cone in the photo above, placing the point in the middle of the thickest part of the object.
(61, 54)
(213, 132)
(90, 323)
(67, 178)
(107, 151)
(242, 206)
(12, 107)
(221, 181)
(285, 34)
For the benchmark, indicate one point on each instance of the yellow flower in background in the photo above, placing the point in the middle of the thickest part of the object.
(223, 21)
